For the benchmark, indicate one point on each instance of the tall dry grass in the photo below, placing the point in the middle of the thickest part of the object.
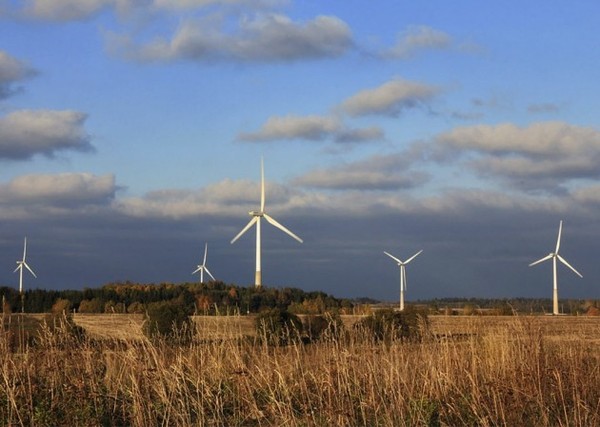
(513, 372)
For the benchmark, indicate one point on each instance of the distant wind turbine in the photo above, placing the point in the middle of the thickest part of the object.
(202, 267)
(402, 265)
(256, 217)
(554, 255)
(20, 265)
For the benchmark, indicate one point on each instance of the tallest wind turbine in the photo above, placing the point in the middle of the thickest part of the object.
(554, 255)
(256, 217)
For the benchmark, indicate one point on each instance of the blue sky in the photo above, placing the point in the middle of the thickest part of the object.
(131, 133)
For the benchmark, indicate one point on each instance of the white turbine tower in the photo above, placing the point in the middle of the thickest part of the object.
(202, 267)
(20, 265)
(402, 265)
(256, 217)
(554, 255)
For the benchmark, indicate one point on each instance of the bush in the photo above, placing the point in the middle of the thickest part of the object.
(392, 325)
(325, 326)
(278, 327)
(168, 319)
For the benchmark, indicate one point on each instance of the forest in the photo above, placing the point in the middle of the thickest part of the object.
(197, 298)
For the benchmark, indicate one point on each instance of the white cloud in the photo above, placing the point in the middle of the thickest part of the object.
(358, 135)
(192, 4)
(263, 38)
(59, 189)
(64, 10)
(546, 107)
(541, 155)
(12, 71)
(227, 198)
(416, 39)
(311, 128)
(25, 133)
(314, 128)
(389, 99)
(75, 10)
(390, 172)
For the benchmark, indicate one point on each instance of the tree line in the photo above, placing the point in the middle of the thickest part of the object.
(201, 298)
(217, 297)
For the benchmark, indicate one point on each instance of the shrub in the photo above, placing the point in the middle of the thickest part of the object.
(167, 319)
(392, 325)
(61, 306)
(278, 327)
(325, 326)
(94, 305)
(136, 307)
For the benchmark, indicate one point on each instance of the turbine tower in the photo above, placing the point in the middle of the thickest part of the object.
(20, 265)
(554, 255)
(256, 217)
(402, 265)
(202, 267)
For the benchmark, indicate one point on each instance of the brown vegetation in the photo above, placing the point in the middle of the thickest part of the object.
(538, 371)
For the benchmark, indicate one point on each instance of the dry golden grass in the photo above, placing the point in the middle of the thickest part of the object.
(532, 371)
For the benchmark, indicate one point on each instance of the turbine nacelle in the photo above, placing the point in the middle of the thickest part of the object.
(256, 213)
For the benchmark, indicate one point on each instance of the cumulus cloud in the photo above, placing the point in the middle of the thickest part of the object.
(546, 107)
(227, 198)
(263, 38)
(25, 133)
(190, 4)
(358, 135)
(541, 155)
(12, 71)
(74, 10)
(59, 189)
(313, 128)
(416, 39)
(389, 99)
(375, 173)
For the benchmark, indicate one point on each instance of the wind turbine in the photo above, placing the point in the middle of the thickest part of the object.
(256, 217)
(202, 267)
(20, 265)
(554, 255)
(402, 265)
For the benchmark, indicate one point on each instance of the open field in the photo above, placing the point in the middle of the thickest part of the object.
(529, 370)
(559, 328)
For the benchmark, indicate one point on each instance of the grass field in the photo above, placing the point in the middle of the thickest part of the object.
(480, 371)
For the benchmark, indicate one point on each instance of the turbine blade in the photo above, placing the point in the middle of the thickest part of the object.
(24, 248)
(558, 240)
(197, 270)
(262, 184)
(205, 251)
(31, 271)
(413, 257)
(564, 261)
(209, 273)
(250, 224)
(18, 267)
(541, 260)
(281, 227)
(393, 257)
